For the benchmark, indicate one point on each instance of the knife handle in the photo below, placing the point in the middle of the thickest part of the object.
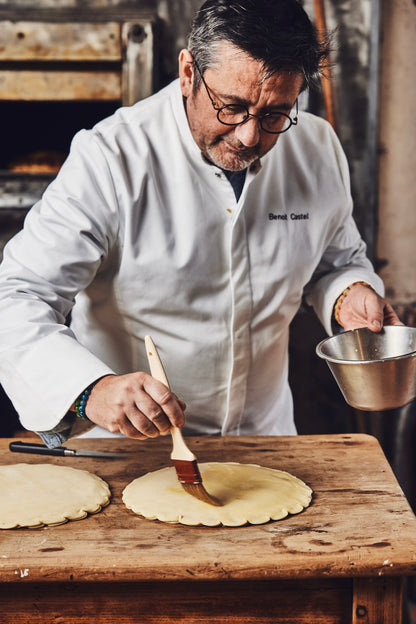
(37, 449)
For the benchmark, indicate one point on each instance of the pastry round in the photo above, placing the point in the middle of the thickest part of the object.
(249, 494)
(32, 495)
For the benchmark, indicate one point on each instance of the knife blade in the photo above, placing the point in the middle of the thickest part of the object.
(41, 449)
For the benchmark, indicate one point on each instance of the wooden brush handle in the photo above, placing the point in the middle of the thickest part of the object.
(156, 367)
(180, 450)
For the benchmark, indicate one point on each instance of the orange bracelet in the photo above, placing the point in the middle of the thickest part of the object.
(340, 300)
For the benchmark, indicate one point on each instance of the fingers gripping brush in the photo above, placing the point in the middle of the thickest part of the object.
(184, 460)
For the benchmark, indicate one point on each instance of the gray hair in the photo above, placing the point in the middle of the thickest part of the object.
(276, 32)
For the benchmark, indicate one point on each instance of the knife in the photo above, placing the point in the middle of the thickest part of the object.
(41, 449)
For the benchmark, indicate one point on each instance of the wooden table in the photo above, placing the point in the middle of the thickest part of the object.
(341, 560)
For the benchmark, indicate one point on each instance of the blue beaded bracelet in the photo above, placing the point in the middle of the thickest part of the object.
(81, 402)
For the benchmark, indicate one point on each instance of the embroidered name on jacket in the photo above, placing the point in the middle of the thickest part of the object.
(293, 216)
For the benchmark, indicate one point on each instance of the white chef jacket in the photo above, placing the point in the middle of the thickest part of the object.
(146, 237)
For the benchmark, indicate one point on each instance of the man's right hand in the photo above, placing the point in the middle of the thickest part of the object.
(136, 405)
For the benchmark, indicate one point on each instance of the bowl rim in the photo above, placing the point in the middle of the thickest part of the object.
(335, 360)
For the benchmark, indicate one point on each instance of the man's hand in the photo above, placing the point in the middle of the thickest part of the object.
(363, 307)
(135, 405)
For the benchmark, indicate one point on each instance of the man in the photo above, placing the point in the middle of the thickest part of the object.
(200, 216)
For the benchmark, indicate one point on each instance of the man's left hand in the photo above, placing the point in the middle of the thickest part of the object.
(363, 307)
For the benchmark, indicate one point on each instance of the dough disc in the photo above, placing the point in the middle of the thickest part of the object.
(250, 494)
(32, 495)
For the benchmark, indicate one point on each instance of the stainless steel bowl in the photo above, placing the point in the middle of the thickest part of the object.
(374, 371)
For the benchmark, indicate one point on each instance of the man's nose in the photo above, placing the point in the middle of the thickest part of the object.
(248, 133)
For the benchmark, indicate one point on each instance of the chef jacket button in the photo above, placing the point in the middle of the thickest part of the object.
(218, 174)
(229, 210)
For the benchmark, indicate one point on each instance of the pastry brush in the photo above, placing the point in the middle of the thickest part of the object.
(184, 460)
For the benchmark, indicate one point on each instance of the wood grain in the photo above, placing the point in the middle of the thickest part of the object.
(28, 41)
(377, 600)
(359, 522)
(340, 560)
(240, 602)
(75, 60)
(63, 85)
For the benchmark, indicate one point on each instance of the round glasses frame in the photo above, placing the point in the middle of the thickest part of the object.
(244, 111)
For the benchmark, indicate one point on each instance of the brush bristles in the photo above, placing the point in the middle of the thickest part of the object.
(198, 491)
(190, 478)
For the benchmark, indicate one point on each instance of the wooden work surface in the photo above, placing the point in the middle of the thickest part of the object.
(359, 522)
(340, 561)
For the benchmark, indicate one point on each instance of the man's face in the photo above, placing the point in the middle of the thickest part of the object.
(236, 79)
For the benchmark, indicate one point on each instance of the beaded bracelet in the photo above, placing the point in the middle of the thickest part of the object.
(81, 402)
(340, 300)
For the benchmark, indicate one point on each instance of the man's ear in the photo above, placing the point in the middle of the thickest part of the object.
(186, 72)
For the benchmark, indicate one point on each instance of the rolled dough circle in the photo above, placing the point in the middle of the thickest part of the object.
(250, 494)
(32, 495)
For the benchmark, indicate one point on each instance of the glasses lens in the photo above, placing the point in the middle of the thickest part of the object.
(276, 122)
(232, 114)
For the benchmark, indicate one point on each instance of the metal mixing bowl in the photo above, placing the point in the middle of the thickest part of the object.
(374, 371)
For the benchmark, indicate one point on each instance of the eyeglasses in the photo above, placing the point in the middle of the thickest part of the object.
(236, 114)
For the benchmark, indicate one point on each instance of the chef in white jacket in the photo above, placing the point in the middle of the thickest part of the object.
(201, 216)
